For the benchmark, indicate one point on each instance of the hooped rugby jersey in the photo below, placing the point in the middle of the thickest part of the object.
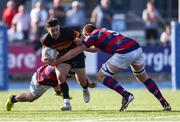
(63, 43)
(46, 75)
(110, 42)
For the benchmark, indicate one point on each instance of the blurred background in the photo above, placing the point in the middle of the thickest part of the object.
(147, 21)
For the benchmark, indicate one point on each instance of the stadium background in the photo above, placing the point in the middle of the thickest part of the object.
(23, 60)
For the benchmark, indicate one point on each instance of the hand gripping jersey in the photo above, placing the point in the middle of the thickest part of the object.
(110, 42)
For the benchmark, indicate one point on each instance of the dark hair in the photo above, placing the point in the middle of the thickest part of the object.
(51, 22)
(89, 28)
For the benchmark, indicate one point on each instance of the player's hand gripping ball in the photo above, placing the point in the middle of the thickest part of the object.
(49, 53)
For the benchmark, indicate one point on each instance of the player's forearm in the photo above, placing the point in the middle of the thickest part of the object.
(69, 55)
(92, 49)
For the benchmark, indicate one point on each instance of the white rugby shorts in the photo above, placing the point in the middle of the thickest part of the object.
(37, 89)
(123, 61)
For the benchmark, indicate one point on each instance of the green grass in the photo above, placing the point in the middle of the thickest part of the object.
(104, 106)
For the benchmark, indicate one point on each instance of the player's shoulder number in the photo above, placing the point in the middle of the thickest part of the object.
(114, 32)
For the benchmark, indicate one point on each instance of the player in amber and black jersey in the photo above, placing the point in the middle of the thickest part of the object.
(63, 40)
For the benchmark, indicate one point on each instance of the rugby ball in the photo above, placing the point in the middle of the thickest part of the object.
(49, 53)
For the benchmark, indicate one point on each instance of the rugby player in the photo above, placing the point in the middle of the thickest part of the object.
(62, 40)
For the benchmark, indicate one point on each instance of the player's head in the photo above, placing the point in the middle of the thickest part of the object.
(53, 27)
(88, 29)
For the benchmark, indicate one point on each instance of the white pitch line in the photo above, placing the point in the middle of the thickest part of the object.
(142, 119)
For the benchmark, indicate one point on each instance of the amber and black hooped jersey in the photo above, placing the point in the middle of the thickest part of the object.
(46, 75)
(63, 43)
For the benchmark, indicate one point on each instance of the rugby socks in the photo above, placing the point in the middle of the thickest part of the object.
(153, 88)
(65, 90)
(13, 99)
(113, 84)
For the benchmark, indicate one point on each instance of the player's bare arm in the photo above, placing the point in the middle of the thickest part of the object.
(69, 55)
(92, 49)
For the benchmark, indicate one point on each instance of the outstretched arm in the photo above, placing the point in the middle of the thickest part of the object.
(70, 54)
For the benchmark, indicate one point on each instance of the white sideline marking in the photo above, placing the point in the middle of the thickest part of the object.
(142, 119)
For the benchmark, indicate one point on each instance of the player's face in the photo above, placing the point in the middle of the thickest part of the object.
(54, 31)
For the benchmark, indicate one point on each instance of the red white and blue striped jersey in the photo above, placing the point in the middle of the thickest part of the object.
(46, 75)
(110, 42)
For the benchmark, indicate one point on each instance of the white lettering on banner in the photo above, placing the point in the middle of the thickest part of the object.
(158, 60)
(28, 60)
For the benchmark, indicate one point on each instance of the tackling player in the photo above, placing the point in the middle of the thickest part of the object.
(62, 40)
(125, 52)
(43, 79)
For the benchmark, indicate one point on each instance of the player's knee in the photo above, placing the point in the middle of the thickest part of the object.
(139, 72)
(141, 75)
(106, 70)
(61, 79)
(32, 98)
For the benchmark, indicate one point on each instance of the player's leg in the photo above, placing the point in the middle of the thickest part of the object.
(143, 77)
(35, 91)
(138, 69)
(23, 97)
(78, 64)
(62, 71)
(82, 79)
(91, 84)
(105, 76)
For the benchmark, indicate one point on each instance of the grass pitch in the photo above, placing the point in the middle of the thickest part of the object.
(103, 106)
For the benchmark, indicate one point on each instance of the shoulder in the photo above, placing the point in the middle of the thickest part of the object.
(96, 31)
(68, 32)
(45, 38)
